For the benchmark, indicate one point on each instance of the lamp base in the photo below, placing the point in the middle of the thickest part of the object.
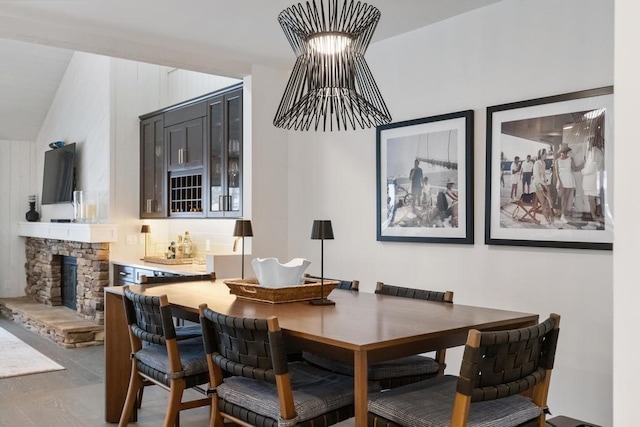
(321, 301)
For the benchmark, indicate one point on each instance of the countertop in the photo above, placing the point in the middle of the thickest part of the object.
(184, 269)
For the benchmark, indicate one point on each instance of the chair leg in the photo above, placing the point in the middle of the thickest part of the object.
(215, 420)
(175, 401)
(139, 398)
(135, 385)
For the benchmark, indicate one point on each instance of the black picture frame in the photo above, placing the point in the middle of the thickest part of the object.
(443, 144)
(575, 130)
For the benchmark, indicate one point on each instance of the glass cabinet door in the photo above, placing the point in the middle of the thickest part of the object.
(153, 175)
(217, 179)
(225, 152)
(234, 158)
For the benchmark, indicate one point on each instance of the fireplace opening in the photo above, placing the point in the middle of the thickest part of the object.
(68, 281)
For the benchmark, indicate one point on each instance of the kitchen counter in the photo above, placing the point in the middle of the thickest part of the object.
(132, 271)
(181, 269)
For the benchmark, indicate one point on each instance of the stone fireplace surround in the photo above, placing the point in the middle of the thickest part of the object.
(43, 273)
(41, 310)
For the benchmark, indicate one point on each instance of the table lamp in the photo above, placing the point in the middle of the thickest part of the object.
(322, 231)
(146, 230)
(243, 229)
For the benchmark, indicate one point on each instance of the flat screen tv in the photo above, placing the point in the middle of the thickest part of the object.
(58, 182)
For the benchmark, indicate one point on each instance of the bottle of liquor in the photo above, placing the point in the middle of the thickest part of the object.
(179, 247)
(171, 254)
(32, 215)
(187, 245)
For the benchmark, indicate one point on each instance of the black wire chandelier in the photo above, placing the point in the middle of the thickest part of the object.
(331, 85)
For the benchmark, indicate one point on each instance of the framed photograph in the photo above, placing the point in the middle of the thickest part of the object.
(425, 179)
(550, 171)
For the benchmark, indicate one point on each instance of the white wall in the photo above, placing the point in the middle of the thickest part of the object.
(16, 174)
(79, 113)
(268, 174)
(509, 51)
(627, 233)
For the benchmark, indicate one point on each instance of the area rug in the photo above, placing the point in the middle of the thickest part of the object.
(17, 358)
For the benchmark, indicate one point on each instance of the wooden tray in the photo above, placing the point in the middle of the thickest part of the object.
(250, 289)
(167, 261)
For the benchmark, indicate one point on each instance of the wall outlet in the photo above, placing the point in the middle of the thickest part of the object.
(132, 239)
(207, 245)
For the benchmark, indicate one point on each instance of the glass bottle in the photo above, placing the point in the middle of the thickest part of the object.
(78, 206)
(32, 215)
(172, 251)
(187, 245)
(179, 247)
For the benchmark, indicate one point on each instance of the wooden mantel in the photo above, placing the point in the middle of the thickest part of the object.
(74, 232)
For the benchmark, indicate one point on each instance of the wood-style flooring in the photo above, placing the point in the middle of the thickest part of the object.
(74, 397)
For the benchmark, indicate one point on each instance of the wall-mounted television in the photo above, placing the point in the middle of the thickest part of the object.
(59, 175)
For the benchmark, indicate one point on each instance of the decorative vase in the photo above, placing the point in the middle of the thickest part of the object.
(32, 215)
(272, 274)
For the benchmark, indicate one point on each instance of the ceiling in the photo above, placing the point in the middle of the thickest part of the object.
(215, 36)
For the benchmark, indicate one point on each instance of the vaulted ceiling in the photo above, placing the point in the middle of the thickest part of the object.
(216, 36)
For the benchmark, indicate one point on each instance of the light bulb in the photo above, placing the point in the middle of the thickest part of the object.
(329, 43)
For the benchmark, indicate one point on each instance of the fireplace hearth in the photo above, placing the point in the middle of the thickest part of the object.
(45, 278)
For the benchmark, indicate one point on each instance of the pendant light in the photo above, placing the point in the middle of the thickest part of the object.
(331, 86)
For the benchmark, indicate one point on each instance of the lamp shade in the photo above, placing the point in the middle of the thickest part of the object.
(243, 228)
(322, 230)
(145, 229)
(331, 85)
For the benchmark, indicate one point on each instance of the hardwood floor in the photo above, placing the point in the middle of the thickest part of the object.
(74, 397)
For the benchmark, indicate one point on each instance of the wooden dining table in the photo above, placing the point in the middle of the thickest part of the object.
(361, 328)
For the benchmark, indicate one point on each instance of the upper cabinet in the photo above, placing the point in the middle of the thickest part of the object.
(184, 136)
(225, 155)
(191, 158)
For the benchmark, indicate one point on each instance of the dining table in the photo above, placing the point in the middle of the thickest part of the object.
(361, 328)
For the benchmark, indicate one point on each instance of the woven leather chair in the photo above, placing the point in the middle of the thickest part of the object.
(397, 372)
(497, 369)
(347, 285)
(163, 360)
(262, 388)
(182, 330)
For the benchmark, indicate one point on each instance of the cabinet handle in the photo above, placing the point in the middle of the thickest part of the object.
(122, 273)
(182, 156)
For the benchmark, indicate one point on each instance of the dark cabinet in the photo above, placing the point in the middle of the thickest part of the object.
(185, 144)
(225, 155)
(153, 179)
(191, 158)
(124, 274)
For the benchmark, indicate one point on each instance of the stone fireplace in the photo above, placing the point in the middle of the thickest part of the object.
(44, 274)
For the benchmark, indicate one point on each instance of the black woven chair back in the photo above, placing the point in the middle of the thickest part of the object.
(398, 291)
(347, 285)
(244, 346)
(508, 362)
(147, 320)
